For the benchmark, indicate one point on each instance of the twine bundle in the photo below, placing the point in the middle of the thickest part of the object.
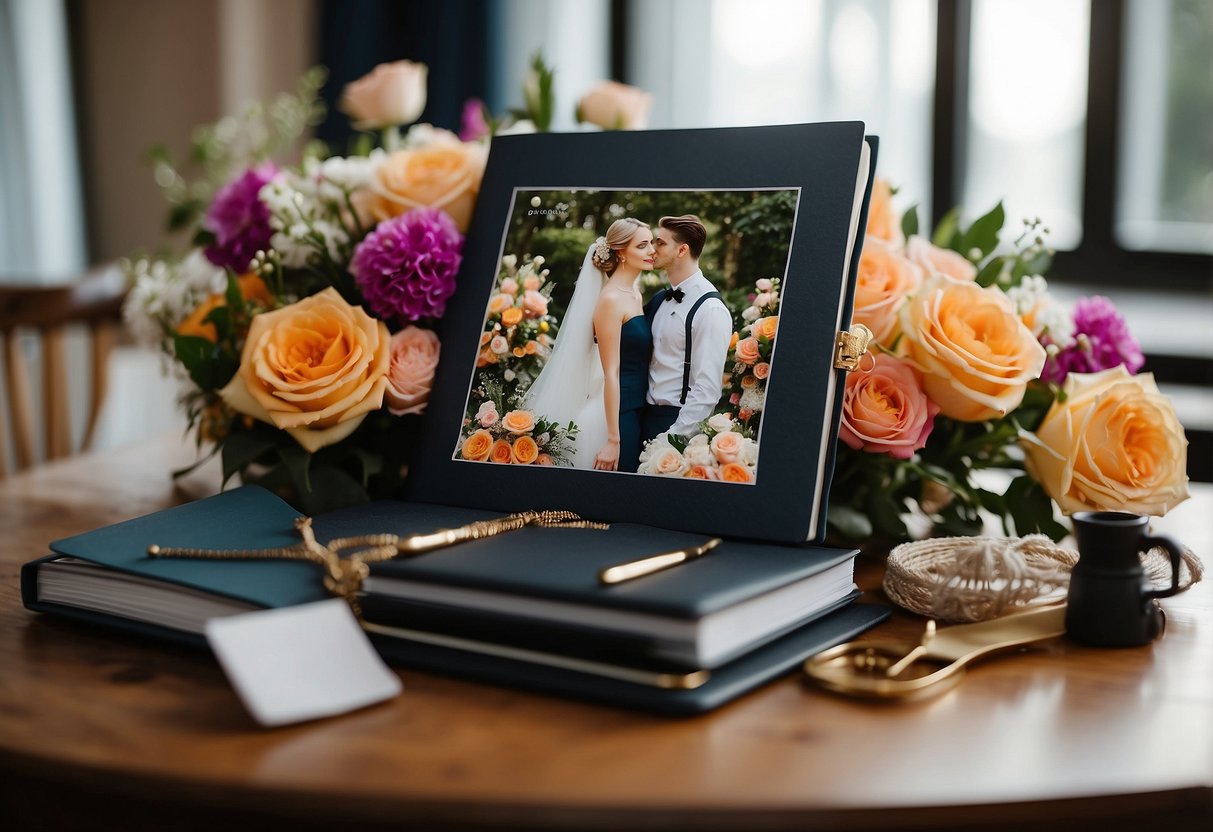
(979, 578)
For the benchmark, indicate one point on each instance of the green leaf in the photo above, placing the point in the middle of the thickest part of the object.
(297, 462)
(331, 489)
(1031, 509)
(886, 514)
(909, 221)
(243, 448)
(990, 272)
(197, 355)
(947, 232)
(678, 441)
(983, 233)
(184, 214)
(850, 522)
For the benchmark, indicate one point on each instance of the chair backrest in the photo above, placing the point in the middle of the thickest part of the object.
(95, 302)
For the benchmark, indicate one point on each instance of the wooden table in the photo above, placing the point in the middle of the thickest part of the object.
(105, 731)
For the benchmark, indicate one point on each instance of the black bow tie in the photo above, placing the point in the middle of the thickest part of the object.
(675, 295)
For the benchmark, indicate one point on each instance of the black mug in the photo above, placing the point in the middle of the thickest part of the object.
(1110, 603)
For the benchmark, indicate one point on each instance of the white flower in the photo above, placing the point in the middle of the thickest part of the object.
(510, 261)
(751, 314)
(509, 375)
(699, 454)
(721, 422)
(424, 135)
(749, 452)
(698, 439)
(754, 398)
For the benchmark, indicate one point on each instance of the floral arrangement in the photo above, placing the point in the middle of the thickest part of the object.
(722, 451)
(301, 315)
(976, 368)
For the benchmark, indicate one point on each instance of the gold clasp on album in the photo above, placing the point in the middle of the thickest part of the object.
(850, 347)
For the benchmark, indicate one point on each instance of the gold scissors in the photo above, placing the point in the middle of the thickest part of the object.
(900, 670)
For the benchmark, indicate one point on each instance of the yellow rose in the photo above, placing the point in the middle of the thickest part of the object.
(976, 355)
(884, 281)
(615, 106)
(1111, 443)
(390, 94)
(314, 368)
(883, 222)
(445, 175)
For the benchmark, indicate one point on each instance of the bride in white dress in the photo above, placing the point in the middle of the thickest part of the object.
(580, 382)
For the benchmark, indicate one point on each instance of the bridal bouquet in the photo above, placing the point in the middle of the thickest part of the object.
(975, 367)
(301, 315)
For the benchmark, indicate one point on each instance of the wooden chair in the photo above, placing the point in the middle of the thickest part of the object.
(48, 311)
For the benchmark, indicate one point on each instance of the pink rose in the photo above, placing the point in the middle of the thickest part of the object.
(534, 304)
(762, 370)
(391, 94)
(615, 106)
(487, 415)
(763, 285)
(934, 260)
(747, 351)
(509, 286)
(886, 411)
(411, 376)
(545, 459)
(531, 283)
(727, 447)
(499, 345)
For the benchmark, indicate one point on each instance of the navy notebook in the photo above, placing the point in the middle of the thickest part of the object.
(104, 577)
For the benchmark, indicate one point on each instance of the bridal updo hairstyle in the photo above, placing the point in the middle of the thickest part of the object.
(686, 230)
(606, 252)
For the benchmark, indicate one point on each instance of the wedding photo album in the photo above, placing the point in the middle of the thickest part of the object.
(638, 313)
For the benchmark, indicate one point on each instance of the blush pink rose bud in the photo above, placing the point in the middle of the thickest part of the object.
(411, 377)
(886, 411)
(615, 106)
(391, 94)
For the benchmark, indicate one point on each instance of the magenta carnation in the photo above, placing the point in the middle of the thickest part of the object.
(1101, 341)
(239, 220)
(406, 267)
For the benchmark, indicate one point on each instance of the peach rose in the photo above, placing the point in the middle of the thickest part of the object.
(314, 368)
(511, 316)
(389, 95)
(884, 282)
(545, 459)
(765, 327)
(735, 472)
(615, 106)
(762, 370)
(531, 283)
(519, 421)
(443, 175)
(1112, 442)
(883, 222)
(886, 411)
(502, 452)
(499, 303)
(726, 447)
(526, 450)
(665, 461)
(509, 286)
(747, 351)
(252, 288)
(476, 447)
(411, 374)
(976, 355)
(934, 260)
(534, 304)
(702, 472)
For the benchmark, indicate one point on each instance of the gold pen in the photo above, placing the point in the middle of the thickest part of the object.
(628, 570)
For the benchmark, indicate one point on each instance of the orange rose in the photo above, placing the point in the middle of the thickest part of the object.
(733, 341)
(735, 472)
(883, 223)
(762, 370)
(976, 355)
(885, 280)
(476, 447)
(501, 452)
(765, 327)
(511, 316)
(252, 288)
(314, 368)
(414, 359)
(531, 348)
(747, 351)
(499, 303)
(445, 174)
(701, 472)
(519, 421)
(749, 382)
(526, 450)
(934, 260)
(1111, 443)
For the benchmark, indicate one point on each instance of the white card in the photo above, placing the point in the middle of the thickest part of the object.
(299, 663)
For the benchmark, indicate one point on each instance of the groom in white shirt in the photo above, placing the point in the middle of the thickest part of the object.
(684, 378)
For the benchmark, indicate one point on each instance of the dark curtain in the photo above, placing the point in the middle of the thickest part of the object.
(452, 37)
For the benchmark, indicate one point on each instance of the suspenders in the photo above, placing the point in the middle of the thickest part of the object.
(651, 309)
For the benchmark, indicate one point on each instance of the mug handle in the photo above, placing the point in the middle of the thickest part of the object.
(1176, 553)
